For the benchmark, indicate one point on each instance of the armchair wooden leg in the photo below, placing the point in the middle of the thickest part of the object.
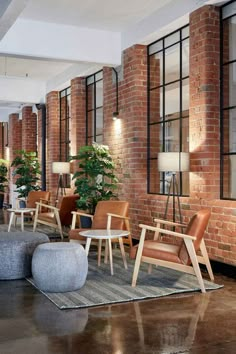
(122, 250)
(138, 258)
(195, 264)
(206, 259)
(59, 224)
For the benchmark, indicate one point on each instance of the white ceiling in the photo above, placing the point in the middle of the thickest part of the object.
(45, 43)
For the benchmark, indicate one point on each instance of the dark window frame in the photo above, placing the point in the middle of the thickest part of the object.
(94, 108)
(222, 108)
(163, 121)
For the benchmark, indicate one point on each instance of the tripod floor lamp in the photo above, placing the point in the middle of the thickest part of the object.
(61, 168)
(173, 162)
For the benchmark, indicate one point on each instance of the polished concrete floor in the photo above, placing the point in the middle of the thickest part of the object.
(190, 323)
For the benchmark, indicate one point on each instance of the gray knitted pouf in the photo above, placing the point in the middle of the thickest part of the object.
(16, 250)
(59, 267)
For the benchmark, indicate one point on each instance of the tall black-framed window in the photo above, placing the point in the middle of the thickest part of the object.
(168, 106)
(228, 101)
(65, 123)
(65, 129)
(94, 108)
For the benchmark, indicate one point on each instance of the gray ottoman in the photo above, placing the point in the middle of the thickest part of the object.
(16, 250)
(59, 267)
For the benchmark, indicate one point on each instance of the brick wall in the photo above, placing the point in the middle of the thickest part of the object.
(29, 129)
(15, 143)
(78, 113)
(205, 134)
(127, 137)
(52, 137)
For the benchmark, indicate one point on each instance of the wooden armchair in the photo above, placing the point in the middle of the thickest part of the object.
(56, 217)
(109, 214)
(184, 257)
(33, 198)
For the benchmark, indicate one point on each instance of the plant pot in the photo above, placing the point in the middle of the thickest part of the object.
(85, 222)
(22, 204)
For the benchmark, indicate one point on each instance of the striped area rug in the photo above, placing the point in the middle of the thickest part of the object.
(101, 288)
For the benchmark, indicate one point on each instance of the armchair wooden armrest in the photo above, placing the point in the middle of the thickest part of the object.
(162, 222)
(169, 223)
(40, 205)
(78, 214)
(111, 215)
(164, 231)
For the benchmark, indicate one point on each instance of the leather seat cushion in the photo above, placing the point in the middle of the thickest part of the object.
(158, 250)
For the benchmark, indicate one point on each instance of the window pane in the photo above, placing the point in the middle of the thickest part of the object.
(229, 37)
(185, 32)
(185, 58)
(229, 176)
(232, 84)
(90, 121)
(172, 135)
(155, 141)
(156, 70)
(90, 80)
(69, 106)
(99, 121)
(99, 94)
(172, 63)
(229, 82)
(185, 95)
(155, 105)
(99, 75)
(175, 37)
(155, 47)
(99, 139)
(229, 121)
(90, 97)
(185, 134)
(172, 100)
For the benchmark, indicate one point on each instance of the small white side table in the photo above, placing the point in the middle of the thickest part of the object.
(22, 212)
(107, 235)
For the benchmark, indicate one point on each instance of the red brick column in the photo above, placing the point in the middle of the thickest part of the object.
(127, 137)
(1, 140)
(29, 129)
(78, 116)
(53, 150)
(15, 143)
(204, 123)
(39, 135)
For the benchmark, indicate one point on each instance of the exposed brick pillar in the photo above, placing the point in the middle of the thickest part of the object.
(127, 137)
(29, 129)
(53, 148)
(15, 143)
(1, 140)
(78, 114)
(39, 135)
(204, 123)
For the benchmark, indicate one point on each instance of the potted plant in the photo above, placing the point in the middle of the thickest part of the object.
(3, 179)
(26, 169)
(95, 180)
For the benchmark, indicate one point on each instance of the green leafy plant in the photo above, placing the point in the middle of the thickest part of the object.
(27, 171)
(95, 180)
(3, 175)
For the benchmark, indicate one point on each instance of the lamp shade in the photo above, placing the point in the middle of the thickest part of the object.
(173, 161)
(61, 167)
